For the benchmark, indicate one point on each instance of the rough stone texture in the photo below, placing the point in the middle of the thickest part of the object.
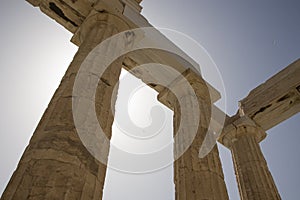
(254, 179)
(277, 97)
(72, 13)
(199, 178)
(267, 105)
(55, 164)
(195, 178)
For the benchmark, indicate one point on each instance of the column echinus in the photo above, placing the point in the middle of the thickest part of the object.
(55, 164)
(195, 178)
(255, 181)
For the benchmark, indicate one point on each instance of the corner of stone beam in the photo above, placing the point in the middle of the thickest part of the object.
(195, 78)
(76, 39)
(133, 4)
(164, 98)
(200, 85)
(35, 3)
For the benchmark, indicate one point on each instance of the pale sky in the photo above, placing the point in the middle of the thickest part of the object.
(249, 42)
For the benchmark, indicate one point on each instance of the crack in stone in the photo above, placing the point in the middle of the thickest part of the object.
(262, 109)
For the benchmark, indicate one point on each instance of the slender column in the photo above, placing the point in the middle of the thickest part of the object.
(195, 178)
(56, 165)
(254, 179)
(198, 178)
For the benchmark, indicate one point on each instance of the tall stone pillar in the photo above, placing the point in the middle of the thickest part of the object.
(56, 165)
(254, 179)
(195, 178)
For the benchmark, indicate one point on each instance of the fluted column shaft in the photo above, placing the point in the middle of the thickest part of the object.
(195, 178)
(254, 179)
(56, 165)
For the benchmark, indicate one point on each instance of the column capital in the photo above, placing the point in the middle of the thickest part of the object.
(242, 137)
(242, 126)
(203, 90)
(190, 84)
(97, 20)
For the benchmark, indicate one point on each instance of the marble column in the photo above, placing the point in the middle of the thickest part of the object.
(56, 165)
(195, 178)
(254, 179)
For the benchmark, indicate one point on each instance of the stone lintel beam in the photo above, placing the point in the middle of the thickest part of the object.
(218, 116)
(275, 100)
(71, 13)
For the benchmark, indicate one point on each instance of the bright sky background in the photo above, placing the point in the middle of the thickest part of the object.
(249, 41)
